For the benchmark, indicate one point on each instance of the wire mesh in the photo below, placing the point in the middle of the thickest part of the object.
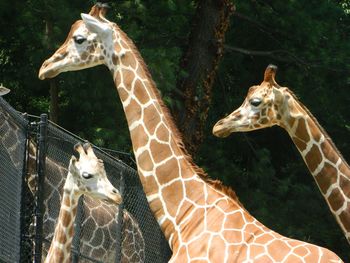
(12, 153)
(103, 232)
(99, 234)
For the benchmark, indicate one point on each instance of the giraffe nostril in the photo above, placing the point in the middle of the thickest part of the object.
(114, 191)
(237, 117)
(220, 122)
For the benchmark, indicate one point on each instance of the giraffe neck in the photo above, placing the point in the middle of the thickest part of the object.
(165, 169)
(12, 137)
(325, 163)
(60, 248)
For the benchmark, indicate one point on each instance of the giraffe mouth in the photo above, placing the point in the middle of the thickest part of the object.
(114, 198)
(221, 132)
(221, 129)
(48, 75)
(47, 71)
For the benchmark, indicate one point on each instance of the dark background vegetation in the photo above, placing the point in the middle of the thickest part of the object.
(308, 40)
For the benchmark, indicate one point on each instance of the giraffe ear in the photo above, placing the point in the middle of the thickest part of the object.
(72, 168)
(96, 26)
(279, 96)
(3, 90)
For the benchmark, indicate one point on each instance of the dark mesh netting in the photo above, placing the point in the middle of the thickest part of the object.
(12, 155)
(29, 208)
(102, 233)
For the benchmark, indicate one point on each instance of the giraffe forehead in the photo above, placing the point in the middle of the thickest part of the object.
(82, 30)
(87, 164)
(259, 92)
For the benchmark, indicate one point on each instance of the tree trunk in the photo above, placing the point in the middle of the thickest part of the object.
(53, 85)
(198, 67)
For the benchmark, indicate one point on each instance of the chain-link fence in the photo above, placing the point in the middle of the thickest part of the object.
(13, 135)
(103, 232)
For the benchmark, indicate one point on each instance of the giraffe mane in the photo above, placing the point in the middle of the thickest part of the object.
(217, 184)
(327, 137)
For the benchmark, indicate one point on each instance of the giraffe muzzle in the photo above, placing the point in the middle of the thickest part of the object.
(45, 72)
(220, 130)
(115, 197)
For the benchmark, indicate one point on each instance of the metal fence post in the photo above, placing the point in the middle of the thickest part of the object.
(120, 221)
(39, 212)
(77, 231)
(27, 200)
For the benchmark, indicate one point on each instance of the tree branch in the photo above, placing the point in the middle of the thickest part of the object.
(283, 56)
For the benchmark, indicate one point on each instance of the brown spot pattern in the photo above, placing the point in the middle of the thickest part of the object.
(123, 95)
(162, 133)
(139, 92)
(192, 194)
(167, 171)
(172, 195)
(129, 60)
(329, 152)
(336, 200)
(152, 117)
(160, 151)
(66, 218)
(326, 177)
(301, 145)
(313, 158)
(345, 217)
(301, 131)
(138, 137)
(344, 184)
(145, 161)
(278, 250)
(133, 111)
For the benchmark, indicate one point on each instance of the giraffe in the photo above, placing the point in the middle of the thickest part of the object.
(3, 90)
(99, 217)
(270, 104)
(202, 220)
(87, 176)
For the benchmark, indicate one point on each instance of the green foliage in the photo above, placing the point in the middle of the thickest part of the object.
(311, 48)
(264, 166)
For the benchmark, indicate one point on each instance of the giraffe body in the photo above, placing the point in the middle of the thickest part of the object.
(85, 176)
(269, 104)
(202, 220)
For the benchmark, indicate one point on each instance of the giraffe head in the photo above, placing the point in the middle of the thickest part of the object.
(265, 105)
(3, 90)
(88, 44)
(87, 175)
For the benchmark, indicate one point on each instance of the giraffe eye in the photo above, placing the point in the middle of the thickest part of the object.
(79, 39)
(87, 175)
(255, 102)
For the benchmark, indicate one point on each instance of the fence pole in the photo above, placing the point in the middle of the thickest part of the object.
(120, 221)
(41, 156)
(77, 231)
(27, 200)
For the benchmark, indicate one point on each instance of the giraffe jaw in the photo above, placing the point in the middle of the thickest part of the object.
(49, 70)
(114, 199)
(223, 128)
(221, 132)
(48, 74)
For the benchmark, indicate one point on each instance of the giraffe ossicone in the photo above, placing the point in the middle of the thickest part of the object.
(270, 104)
(202, 220)
(86, 176)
